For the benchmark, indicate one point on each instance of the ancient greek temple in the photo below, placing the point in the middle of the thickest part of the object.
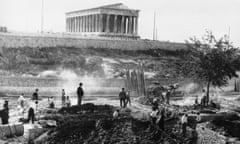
(111, 21)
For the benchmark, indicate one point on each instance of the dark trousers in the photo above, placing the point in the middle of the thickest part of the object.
(184, 129)
(161, 124)
(31, 115)
(128, 101)
(4, 116)
(79, 100)
(122, 102)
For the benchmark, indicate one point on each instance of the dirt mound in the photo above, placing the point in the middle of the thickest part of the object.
(94, 124)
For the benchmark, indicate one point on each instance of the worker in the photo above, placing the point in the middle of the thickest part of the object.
(122, 98)
(168, 94)
(35, 95)
(68, 102)
(155, 103)
(154, 115)
(51, 103)
(21, 100)
(63, 97)
(128, 99)
(184, 122)
(198, 118)
(116, 114)
(160, 120)
(80, 94)
(31, 112)
(5, 113)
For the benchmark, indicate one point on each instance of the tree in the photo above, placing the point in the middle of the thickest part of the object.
(214, 61)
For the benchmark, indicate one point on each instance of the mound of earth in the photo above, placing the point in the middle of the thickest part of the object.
(94, 124)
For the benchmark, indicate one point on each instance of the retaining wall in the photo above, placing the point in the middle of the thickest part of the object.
(15, 40)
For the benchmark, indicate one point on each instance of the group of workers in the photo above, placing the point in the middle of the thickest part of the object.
(124, 97)
(158, 115)
(33, 104)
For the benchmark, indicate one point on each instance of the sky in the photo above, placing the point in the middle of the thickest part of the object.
(176, 20)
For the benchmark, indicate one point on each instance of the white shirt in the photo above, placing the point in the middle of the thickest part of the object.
(154, 113)
(115, 114)
(68, 101)
(21, 98)
(51, 100)
(198, 118)
(184, 119)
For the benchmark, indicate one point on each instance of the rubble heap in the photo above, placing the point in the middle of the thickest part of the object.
(94, 124)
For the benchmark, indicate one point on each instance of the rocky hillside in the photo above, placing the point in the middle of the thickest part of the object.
(94, 62)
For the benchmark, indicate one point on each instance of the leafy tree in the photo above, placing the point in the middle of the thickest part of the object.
(214, 61)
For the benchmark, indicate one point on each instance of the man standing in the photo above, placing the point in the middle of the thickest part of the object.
(5, 113)
(80, 94)
(128, 99)
(204, 98)
(63, 97)
(168, 94)
(184, 121)
(122, 97)
(31, 112)
(35, 95)
(21, 100)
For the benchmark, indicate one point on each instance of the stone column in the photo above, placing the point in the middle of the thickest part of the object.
(97, 23)
(136, 26)
(100, 23)
(76, 24)
(83, 23)
(130, 25)
(71, 24)
(87, 23)
(107, 23)
(80, 24)
(66, 24)
(93, 22)
(126, 24)
(90, 23)
(133, 25)
(122, 24)
(115, 24)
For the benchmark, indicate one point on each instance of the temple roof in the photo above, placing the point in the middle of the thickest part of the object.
(117, 6)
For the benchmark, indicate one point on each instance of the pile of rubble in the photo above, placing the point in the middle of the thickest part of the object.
(94, 124)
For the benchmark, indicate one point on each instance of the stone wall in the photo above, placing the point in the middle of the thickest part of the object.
(17, 40)
(18, 81)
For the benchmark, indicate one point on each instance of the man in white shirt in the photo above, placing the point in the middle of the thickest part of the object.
(116, 114)
(154, 115)
(184, 122)
(51, 102)
(21, 100)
